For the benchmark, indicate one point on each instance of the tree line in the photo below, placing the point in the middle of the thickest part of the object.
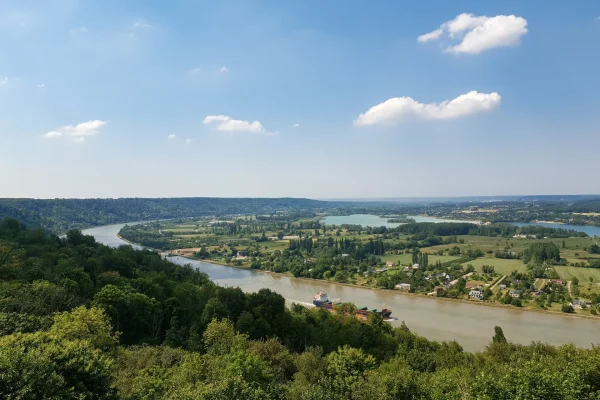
(60, 215)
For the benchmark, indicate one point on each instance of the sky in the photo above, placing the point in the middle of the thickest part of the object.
(352, 99)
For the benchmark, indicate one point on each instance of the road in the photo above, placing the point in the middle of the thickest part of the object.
(498, 282)
(456, 280)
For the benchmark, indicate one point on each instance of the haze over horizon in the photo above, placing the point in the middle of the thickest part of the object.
(305, 99)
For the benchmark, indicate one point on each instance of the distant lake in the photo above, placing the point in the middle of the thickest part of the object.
(590, 230)
(377, 221)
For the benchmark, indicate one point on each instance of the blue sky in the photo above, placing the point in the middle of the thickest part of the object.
(305, 98)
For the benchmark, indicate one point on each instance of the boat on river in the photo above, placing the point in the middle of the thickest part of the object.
(321, 300)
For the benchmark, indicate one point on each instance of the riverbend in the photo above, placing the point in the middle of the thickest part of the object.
(469, 324)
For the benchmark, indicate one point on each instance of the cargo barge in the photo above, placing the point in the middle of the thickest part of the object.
(322, 301)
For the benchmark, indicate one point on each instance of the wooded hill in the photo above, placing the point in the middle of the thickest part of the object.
(80, 320)
(60, 215)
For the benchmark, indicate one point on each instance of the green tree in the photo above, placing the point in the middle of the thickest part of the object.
(65, 363)
(345, 369)
(567, 308)
(498, 335)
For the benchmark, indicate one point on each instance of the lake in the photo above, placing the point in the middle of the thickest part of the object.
(590, 230)
(377, 221)
(471, 325)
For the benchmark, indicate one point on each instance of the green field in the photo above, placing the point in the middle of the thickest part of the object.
(501, 266)
(583, 274)
(406, 259)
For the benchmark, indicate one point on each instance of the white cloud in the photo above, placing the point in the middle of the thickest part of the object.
(480, 33)
(53, 134)
(79, 132)
(188, 140)
(41, 85)
(398, 109)
(195, 70)
(3, 80)
(224, 69)
(296, 125)
(172, 136)
(141, 25)
(227, 124)
(431, 35)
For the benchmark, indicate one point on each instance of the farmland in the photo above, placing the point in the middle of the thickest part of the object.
(501, 266)
(464, 262)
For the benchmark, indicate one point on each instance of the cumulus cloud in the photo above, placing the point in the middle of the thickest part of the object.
(224, 69)
(296, 125)
(434, 35)
(172, 136)
(141, 25)
(479, 33)
(225, 123)
(53, 134)
(3, 80)
(398, 109)
(77, 133)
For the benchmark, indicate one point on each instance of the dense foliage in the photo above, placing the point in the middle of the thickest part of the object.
(79, 320)
(60, 215)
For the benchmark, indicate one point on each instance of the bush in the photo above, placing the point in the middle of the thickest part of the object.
(567, 308)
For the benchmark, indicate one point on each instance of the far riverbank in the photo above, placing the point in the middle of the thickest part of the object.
(485, 303)
(472, 327)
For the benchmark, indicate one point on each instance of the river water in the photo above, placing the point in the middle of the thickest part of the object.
(377, 221)
(471, 325)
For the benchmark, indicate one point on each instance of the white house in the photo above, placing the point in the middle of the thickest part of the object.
(475, 294)
(579, 304)
(291, 237)
(403, 286)
(416, 266)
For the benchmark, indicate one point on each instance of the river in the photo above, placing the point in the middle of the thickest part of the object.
(377, 221)
(471, 325)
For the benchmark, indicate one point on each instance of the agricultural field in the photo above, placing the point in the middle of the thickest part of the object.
(501, 266)
(583, 274)
(406, 259)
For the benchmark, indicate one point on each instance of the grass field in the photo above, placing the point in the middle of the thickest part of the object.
(583, 274)
(406, 259)
(501, 266)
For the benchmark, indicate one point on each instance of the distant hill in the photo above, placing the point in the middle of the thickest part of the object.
(60, 215)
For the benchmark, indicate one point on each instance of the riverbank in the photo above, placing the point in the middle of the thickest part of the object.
(483, 303)
(471, 327)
